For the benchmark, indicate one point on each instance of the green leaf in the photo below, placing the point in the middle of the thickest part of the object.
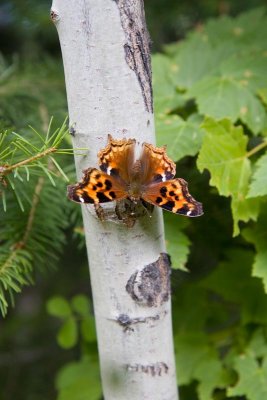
(166, 97)
(183, 138)
(246, 31)
(263, 95)
(232, 280)
(249, 70)
(258, 343)
(252, 378)
(196, 359)
(58, 307)
(195, 59)
(224, 154)
(224, 97)
(88, 329)
(258, 236)
(244, 211)
(81, 305)
(258, 186)
(68, 334)
(79, 381)
(176, 241)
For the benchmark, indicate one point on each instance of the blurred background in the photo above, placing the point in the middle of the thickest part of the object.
(30, 357)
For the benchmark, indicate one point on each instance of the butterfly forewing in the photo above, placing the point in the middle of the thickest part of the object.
(173, 196)
(96, 187)
(156, 165)
(117, 158)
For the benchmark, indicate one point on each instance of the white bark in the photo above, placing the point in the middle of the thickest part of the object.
(108, 91)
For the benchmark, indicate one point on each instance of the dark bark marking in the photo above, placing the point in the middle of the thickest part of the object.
(152, 369)
(151, 286)
(126, 322)
(72, 131)
(54, 16)
(137, 46)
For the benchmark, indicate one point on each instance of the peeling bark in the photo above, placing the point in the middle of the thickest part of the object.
(137, 46)
(151, 285)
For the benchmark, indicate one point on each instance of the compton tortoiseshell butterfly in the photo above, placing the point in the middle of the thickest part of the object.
(150, 178)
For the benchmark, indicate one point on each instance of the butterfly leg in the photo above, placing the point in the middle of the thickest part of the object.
(99, 212)
(125, 213)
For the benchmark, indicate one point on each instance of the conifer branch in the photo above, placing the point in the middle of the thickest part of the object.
(4, 170)
(35, 201)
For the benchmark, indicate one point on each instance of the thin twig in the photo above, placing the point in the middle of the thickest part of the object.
(7, 169)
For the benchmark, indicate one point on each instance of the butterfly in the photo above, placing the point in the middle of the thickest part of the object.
(149, 178)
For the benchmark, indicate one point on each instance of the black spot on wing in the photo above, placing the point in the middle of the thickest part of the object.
(108, 184)
(103, 167)
(168, 175)
(158, 200)
(195, 213)
(183, 210)
(87, 198)
(169, 205)
(191, 212)
(99, 184)
(157, 178)
(163, 191)
(74, 196)
(112, 194)
(114, 172)
(102, 197)
(197, 209)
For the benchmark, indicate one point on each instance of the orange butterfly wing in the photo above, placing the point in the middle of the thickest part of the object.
(97, 187)
(156, 165)
(173, 195)
(117, 158)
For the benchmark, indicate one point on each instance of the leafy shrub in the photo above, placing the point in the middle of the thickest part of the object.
(210, 102)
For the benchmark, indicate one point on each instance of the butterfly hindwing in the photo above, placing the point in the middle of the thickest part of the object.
(96, 187)
(173, 195)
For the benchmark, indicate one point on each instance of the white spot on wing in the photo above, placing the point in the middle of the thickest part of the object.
(109, 170)
(189, 213)
(81, 199)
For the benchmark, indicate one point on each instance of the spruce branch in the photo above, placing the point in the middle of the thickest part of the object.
(4, 170)
(33, 238)
(24, 156)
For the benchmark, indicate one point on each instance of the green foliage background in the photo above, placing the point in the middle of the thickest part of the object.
(210, 96)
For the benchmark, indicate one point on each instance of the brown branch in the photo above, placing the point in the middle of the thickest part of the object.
(4, 170)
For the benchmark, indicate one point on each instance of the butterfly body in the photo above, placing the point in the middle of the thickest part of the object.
(149, 179)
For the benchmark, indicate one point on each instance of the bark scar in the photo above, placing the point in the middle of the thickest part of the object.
(137, 46)
(153, 369)
(127, 322)
(151, 285)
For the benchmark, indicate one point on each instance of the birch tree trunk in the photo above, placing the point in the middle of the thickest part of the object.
(105, 49)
